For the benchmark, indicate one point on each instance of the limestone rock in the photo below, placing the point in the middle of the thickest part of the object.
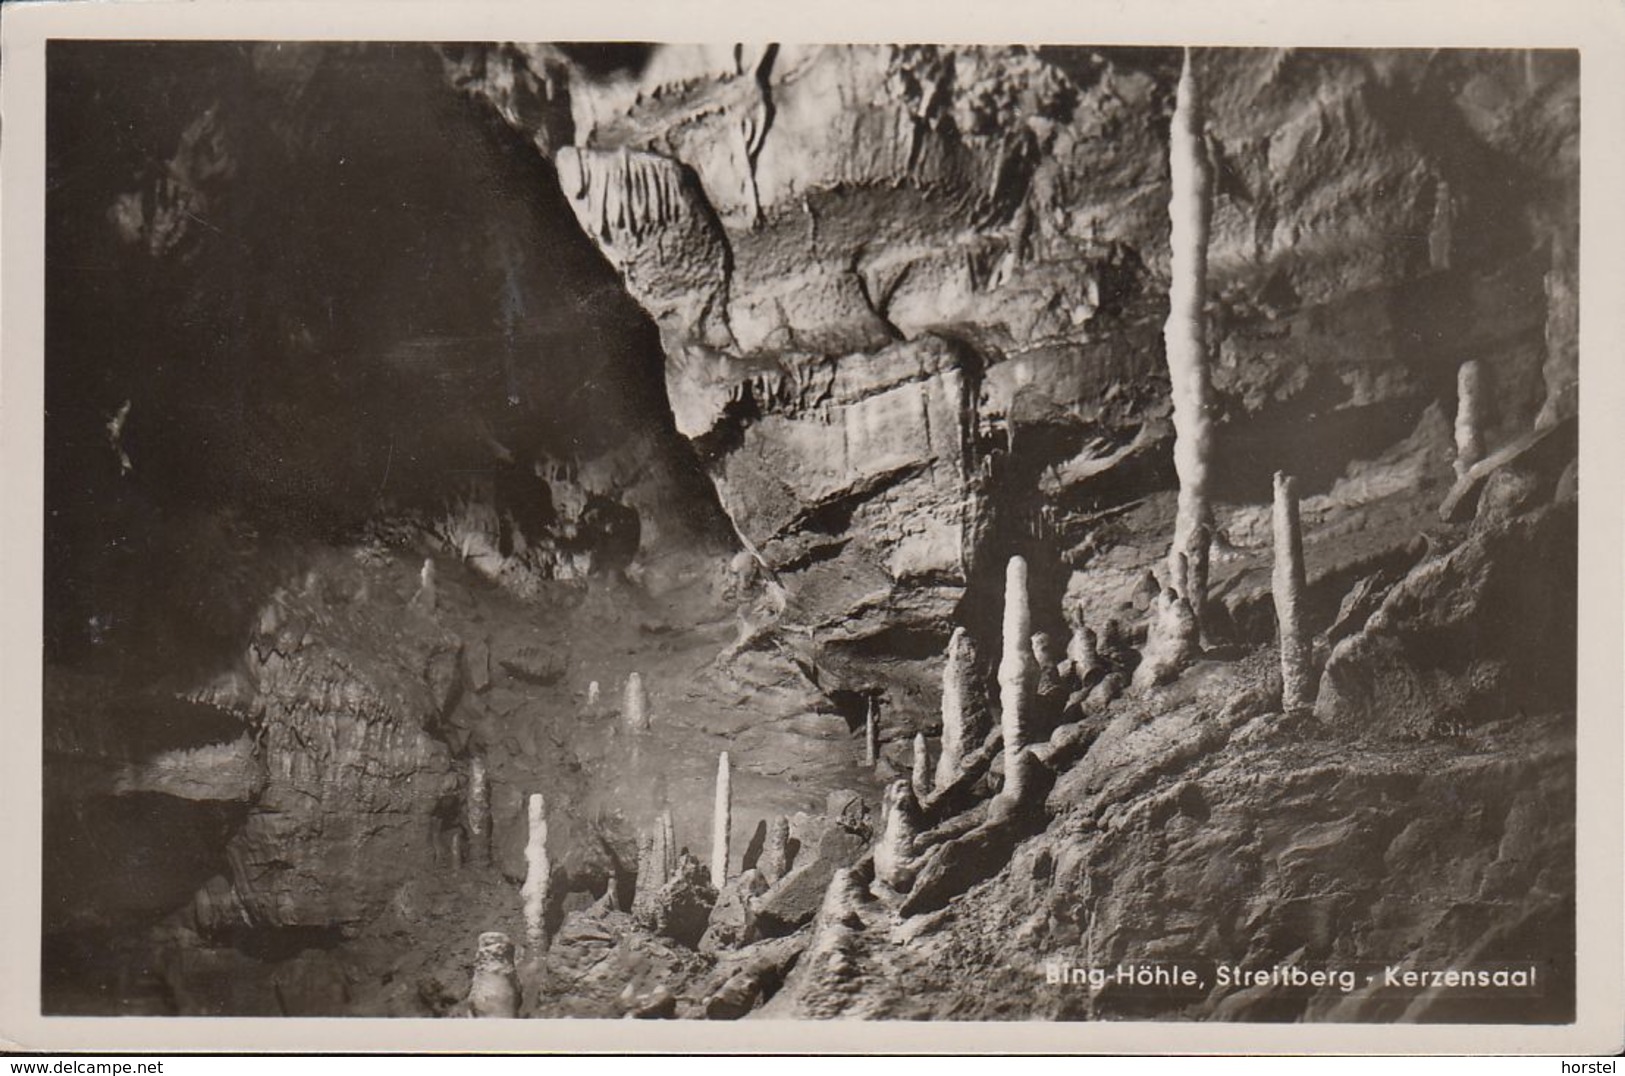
(733, 919)
(1440, 654)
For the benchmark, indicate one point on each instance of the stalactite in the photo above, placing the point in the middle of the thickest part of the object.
(721, 822)
(1297, 687)
(1185, 336)
(477, 812)
(895, 852)
(1469, 416)
(964, 712)
(774, 862)
(920, 776)
(1018, 672)
(494, 988)
(623, 195)
(538, 877)
(636, 704)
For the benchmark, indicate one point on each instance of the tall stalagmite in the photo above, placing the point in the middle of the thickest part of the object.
(721, 822)
(1297, 686)
(538, 875)
(1185, 338)
(1018, 671)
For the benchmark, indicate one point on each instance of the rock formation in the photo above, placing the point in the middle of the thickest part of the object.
(775, 857)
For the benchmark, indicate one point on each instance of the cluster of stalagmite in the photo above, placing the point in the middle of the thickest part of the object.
(635, 706)
(721, 822)
(538, 876)
(1018, 673)
(1185, 337)
(1172, 640)
(1297, 677)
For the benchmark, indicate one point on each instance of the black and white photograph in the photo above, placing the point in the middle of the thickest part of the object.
(960, 532)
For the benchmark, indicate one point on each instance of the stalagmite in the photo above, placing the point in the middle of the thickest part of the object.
(920, 778)
(1082, 652)
(425, 597)
(494, 989)
(636, 704)
(477, 810)
(646, 884)
(538, 875)
(1018, 672)
(964, 715)
(659, 858)
(1172, 641)
(593, 694)
(721, 822)
(1469, 416)
(1297, 688)
(895, 854)
(1185, 337)
(871, 736)
(774, 862)
(668, 846)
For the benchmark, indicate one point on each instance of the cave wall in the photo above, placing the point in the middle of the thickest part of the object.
(841, 243)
